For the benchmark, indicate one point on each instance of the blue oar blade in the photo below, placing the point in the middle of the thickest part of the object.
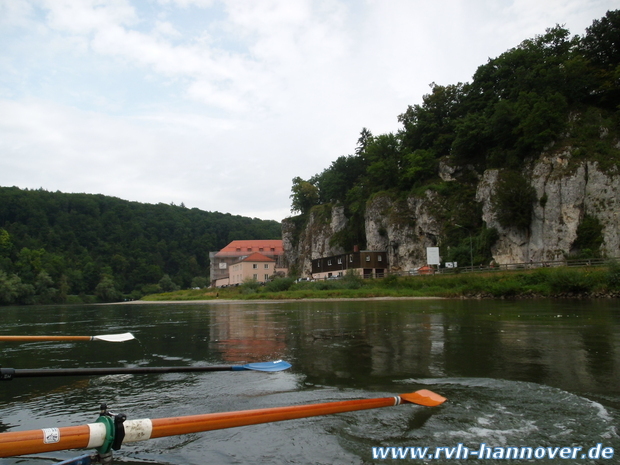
(81, 460)
(278, 365)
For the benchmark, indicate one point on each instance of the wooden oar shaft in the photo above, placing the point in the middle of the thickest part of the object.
(93, 435)
(163, 427)
(102, 337)
(45, 338)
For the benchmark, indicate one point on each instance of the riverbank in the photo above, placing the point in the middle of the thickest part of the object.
(217, 300)
(560, 282)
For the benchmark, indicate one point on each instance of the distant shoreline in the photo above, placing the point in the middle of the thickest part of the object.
(249, 301)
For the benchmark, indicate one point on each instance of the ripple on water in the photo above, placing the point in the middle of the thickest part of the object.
(490, 411)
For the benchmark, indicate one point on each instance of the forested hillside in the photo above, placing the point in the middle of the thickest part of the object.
(54, 245)
(555, 93)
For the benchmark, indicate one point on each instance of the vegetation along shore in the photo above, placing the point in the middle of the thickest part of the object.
(558, 282)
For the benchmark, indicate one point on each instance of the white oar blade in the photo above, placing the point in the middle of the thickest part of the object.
(114, 337)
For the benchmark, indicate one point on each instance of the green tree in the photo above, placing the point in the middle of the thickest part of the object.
(431, 126)
(13, 291)
(106, 290)
(418, 167)
(304, 196)
(513, 200)
(600, 43)
(600, 47)
(334, 182)
(383, 159)
(44, 288)
(589, 238)
(199, 281)
(363, 141)
(166, 284)
(6, 246)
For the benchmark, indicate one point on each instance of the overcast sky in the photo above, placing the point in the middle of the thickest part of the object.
(219, 104)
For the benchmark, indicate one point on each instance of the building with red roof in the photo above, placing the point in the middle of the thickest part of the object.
(238, 251)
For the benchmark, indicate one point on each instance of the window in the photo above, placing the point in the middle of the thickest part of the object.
(380, 258)
(255, 265)
(249, 249)
(329, 262)
(340, 261)
(266, 277)
(266, 266)
(255, 276)
(260, 249)
(351, 258)
(367, 258)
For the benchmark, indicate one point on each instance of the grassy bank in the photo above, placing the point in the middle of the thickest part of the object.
(542, 282)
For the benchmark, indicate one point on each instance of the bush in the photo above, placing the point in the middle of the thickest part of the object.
(390, 280)
(589, 238)
(279, 285)
(352, 280)
(563, 280)
(250, 286)
(613, 275)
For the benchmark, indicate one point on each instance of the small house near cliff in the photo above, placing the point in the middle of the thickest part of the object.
(256, 267)
(366, 263)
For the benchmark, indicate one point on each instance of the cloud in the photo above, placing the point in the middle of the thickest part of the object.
(220, 103)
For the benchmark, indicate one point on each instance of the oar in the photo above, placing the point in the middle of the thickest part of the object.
(7, 374)
(96, 434)
(104, 337)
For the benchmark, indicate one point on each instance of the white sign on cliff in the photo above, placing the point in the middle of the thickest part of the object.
(432, 256)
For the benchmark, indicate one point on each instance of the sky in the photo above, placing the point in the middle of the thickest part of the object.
(219, 104)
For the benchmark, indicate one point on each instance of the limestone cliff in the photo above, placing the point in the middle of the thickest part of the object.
(566, 192)
(313, 240)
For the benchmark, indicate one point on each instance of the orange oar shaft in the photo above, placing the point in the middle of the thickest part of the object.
(45, 338)
(94, 434)
(192, 424)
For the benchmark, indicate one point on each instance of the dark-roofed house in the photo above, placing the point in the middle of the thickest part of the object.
(369, 264)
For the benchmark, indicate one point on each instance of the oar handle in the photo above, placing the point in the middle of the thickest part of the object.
(45, 440)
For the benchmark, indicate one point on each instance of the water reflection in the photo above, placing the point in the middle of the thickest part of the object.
(513, 371)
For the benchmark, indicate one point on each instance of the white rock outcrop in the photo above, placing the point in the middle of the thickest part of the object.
(565, 195)
(566, 192)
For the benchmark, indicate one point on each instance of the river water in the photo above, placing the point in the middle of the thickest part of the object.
(531, 373)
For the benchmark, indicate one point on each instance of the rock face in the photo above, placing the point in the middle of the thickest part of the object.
(314, 239)
(566, 193)
(404, 230)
